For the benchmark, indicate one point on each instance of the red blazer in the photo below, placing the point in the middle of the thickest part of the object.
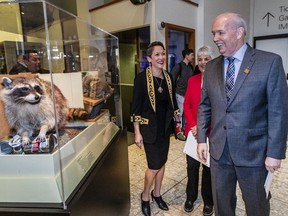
(191, 101)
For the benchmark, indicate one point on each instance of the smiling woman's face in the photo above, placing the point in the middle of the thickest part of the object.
(158, 57)
(202, 61)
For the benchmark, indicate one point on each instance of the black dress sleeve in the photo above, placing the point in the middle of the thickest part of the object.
(139, 92)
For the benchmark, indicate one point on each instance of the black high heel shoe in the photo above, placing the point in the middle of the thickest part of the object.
(160, 202)
(145, 206)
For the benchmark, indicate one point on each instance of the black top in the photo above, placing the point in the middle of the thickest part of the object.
(181, 73)
(18, 68)
(161, 106)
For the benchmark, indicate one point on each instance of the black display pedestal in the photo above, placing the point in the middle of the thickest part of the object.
(105, 192)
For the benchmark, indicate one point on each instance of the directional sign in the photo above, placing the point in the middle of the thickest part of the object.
(270, 17)
(267, 16)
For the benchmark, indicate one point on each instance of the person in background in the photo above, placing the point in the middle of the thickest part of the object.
(154, 106)
(244, 100)
(32, 61)
(181, 72)
(191, 103)
(20, 66)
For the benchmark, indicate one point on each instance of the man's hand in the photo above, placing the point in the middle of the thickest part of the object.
(272, 164)
(202, 152)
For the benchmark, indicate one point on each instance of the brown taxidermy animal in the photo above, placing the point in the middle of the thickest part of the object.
(29, 106)
(95, 88)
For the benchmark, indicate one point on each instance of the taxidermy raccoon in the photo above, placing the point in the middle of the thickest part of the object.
(29, 106)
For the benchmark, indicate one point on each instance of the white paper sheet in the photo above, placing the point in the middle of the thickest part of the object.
(190, 149)
(268, 183)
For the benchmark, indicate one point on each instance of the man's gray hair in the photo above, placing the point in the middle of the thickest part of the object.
(237, 20)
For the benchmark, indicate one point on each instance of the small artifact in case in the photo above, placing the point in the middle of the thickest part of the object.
(5, 148)
(16, 144)
(39, 145)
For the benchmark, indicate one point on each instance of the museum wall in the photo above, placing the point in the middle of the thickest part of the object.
(175, 12)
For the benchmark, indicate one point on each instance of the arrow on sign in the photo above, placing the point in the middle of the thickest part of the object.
(268, 15)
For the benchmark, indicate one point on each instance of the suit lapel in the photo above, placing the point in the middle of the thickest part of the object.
(244, 70)
(220, 77)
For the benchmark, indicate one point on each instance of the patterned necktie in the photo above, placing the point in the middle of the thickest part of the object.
(230, 74)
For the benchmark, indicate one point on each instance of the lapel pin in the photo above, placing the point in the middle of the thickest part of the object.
(247, 70)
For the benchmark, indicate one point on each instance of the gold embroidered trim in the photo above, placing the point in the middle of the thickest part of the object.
(169, 84)
(144, 121)
(135, 118)
(139, 119)
(150, 88)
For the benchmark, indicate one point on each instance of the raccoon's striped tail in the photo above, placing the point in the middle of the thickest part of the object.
(77, 114)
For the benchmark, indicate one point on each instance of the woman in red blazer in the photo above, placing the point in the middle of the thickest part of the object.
(191, 103)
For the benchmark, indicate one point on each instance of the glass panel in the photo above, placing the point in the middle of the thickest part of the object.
(60, 104)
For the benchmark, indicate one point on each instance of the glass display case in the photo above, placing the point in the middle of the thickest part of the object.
(60, 102)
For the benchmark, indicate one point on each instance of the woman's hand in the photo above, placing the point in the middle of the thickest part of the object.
(194, 131)
(138, 135)
(138, 140)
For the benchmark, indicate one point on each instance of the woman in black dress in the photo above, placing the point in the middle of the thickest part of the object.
(154, 106)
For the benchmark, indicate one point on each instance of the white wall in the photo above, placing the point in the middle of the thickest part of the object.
(212, 8)
(174, 12)
(124, 15)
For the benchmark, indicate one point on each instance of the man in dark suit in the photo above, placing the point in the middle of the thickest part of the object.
(29, 62)
(247, 112)
(20, 66)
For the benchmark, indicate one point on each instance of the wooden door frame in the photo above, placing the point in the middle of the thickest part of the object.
(191, 41)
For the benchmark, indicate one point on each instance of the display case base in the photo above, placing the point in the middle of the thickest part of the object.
(33, 212)
(105, 191)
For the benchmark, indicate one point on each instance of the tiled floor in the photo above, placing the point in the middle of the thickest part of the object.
(174, 184)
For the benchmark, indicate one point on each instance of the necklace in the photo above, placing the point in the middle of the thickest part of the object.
(160, 89)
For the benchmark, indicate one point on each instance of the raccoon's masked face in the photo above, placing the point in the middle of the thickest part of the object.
(23, 92)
